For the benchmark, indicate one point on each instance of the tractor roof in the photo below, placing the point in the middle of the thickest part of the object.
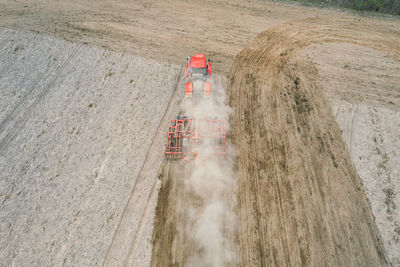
(198, 61)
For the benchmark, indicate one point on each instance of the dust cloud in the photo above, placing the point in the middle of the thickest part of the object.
(211, 222)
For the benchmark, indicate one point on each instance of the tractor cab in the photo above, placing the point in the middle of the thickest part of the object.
(198, 72)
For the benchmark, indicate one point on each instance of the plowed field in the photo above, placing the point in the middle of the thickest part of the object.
(87, 89)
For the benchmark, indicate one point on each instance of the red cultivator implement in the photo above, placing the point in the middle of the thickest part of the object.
(184, 134)
(188, 138)
(198, 68)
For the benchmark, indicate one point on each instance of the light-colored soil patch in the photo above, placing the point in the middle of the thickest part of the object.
(301, 201)
(363, 87)
(76, 125)
(372, 135)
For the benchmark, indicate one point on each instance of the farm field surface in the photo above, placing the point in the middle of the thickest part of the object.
(311, 97)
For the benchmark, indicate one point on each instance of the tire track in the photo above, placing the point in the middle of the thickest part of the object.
(26, 114)
(132, 251)
(350, 127)
(198, 200)
(124, 244)
(14, 111)
(337, 109)
(300, 199)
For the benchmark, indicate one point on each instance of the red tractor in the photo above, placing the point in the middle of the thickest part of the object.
(185, 134)
(198, 72)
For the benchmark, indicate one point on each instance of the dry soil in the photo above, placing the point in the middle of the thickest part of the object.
(316, 107)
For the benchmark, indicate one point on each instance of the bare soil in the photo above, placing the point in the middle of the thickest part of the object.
(297, 166)
(361, 85)
(310, 119)
(164, 30)
(77, 125)
(195, 220)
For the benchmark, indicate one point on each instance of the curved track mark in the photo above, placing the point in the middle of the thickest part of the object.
(350, 128)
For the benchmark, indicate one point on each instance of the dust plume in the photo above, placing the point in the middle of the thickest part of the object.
(211, 221)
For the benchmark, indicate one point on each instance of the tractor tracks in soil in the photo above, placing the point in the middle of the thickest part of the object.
(170, 243)
(125, 241)
(186, 198)
(350, 126)
(10, 126)
(301, 201)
